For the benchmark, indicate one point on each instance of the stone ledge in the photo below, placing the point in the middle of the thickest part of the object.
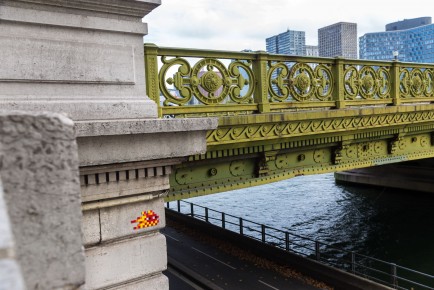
(58, 19)
(158, 282)
(143, 126)
(135, 8)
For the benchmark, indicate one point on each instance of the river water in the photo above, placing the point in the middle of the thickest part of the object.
(389, 224)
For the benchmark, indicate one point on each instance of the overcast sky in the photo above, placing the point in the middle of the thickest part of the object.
(244, 24)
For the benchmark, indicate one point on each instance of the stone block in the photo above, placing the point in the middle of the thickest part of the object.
(124, 261)
(116, 221)
(83, 58)
(39, 170)
(91, 227)
(159, 282)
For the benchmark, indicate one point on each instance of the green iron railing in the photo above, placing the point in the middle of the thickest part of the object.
(192, 82)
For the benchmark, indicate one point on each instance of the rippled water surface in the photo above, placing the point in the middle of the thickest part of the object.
(393, 225)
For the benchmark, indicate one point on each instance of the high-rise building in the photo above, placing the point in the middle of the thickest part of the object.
(410, 40)
(290, 42)
(408, 23)
(312, 50)
(339, 39)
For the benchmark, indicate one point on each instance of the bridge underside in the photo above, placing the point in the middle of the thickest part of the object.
(251, 150)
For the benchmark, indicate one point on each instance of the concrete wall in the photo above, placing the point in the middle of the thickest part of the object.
(39, 169)
(84, 58)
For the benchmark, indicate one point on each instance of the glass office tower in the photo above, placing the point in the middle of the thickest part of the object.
(410, 40)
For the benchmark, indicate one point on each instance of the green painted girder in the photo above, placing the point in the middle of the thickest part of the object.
(281, 116)
(251, 150)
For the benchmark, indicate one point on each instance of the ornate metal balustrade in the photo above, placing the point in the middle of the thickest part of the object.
(282, 116)
(191, 82)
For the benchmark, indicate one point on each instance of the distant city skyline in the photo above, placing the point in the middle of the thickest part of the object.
(237, 25)
(410, 40)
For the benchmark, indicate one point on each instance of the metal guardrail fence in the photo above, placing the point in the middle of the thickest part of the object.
(194, 82)
(382, 272)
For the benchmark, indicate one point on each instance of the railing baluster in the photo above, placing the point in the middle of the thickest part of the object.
(353, 262)
(178, 204)
(394, 277)
(263, 233)
(167, 204)
(206, 214)
(241, 227)
(287, 241)
(317, 251)
(192, 210)
(223, 220)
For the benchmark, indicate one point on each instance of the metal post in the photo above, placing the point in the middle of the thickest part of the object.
(394, 277)
(339, 88)
(191, 210)
(263, 233)
(178, 204)
(395, 83)
(261, 84)
(206, 214)
(353, 262)
(151, 74)
(317, 250)
(287, 241)
(223, 220)
(241, 227)
(167, 204)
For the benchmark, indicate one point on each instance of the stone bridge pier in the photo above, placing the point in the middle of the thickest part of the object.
(84, 60)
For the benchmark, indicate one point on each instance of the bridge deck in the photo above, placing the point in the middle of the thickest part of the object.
(282, 116)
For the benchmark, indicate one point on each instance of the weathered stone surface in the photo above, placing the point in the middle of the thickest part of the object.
(125, 260)
(91, 227)
(39, 170)
(83, 58)
(105, 142)
(124, 188)
(116, 221)
(159, 282)
(148, 126)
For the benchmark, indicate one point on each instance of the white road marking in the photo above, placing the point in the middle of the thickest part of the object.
(268, 285)
(233, 268)
(169, 236)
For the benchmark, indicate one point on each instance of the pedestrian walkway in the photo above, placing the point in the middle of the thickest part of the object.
(197, 263)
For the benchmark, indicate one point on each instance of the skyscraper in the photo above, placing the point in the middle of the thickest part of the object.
(409, 40)
(290, 42)
(312, 50)
(339, 39)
